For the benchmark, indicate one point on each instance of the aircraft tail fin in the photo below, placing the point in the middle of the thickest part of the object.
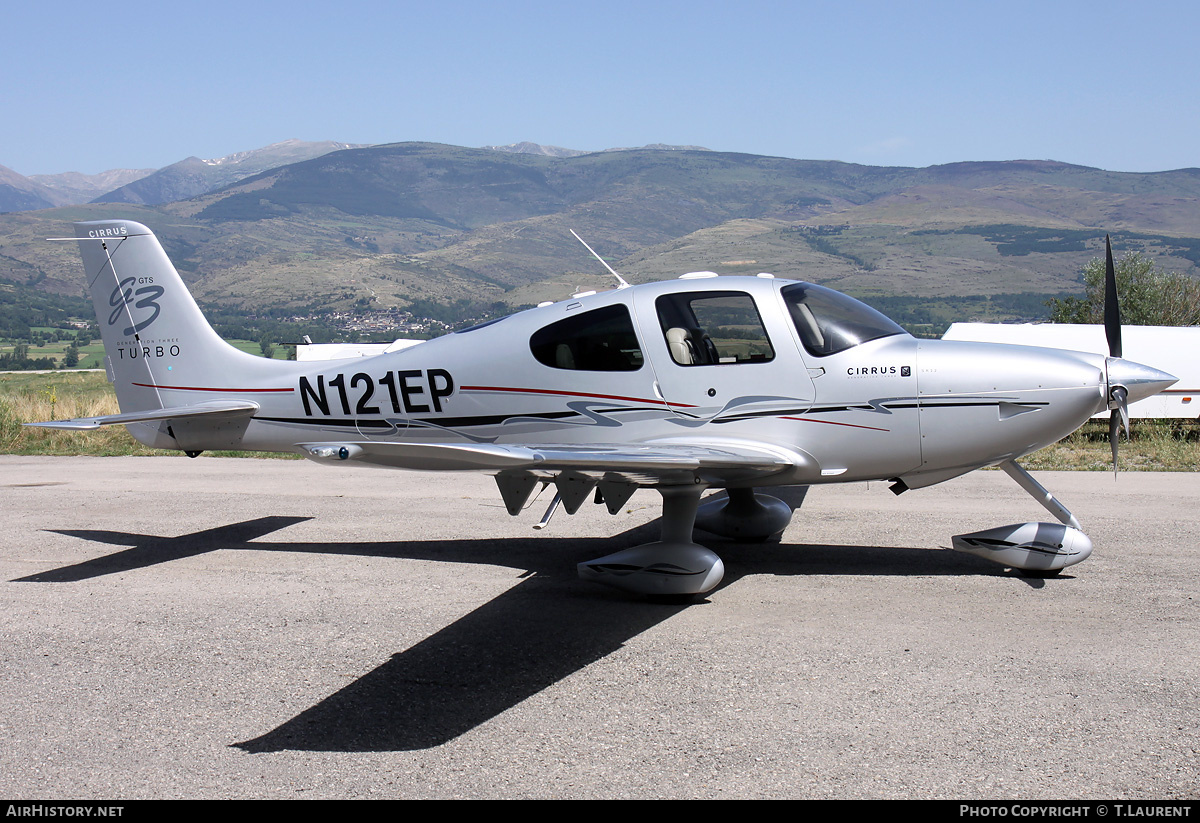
(155, 337)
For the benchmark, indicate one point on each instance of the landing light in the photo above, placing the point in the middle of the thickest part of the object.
(331, 452)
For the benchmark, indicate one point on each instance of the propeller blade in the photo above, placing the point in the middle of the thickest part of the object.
(1112, 310)
(1120, 415)
(1117, 395)
(1113, 437)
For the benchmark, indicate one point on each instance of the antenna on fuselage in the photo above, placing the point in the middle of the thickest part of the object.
(620, 279)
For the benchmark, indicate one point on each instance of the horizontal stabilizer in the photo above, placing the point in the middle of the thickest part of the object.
(215, 408)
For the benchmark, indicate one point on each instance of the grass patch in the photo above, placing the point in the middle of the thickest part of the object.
(31, 398)
(1155, 446)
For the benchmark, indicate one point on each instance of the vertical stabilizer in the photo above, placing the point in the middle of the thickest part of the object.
(154, 334)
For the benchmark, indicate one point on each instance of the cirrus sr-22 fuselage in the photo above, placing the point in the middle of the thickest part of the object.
(685, 385)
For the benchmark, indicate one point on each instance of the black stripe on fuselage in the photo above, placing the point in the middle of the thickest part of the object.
(499, 419)
(370, 423)
(908, 404)
(446, 422)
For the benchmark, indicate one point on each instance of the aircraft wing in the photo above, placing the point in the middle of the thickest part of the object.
(215, 408)
(617, 469)
(650, 460)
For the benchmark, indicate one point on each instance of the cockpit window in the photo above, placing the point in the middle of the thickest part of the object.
(599, 340)
(829, 322)
(713, 327)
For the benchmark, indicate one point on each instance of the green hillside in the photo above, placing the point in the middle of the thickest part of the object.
(379, 227)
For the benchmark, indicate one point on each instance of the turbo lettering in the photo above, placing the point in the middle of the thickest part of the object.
(410, 391)
(134, 352)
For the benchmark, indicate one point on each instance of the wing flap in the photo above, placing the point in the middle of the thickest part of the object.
(209, 410)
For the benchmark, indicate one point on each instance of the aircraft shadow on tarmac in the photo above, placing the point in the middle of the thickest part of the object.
(548, 626)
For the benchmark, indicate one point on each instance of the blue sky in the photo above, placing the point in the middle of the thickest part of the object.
(93, 86)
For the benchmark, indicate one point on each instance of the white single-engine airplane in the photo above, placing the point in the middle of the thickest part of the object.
(702, 382)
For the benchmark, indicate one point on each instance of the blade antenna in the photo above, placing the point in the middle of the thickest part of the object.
(620, 279)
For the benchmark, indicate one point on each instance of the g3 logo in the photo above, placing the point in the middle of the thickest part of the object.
(123, 294)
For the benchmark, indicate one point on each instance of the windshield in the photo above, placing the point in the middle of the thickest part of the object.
(829, 322)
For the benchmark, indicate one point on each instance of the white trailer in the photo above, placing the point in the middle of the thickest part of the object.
(1173, 349)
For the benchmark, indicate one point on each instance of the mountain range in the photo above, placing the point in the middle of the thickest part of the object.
(186, 178)
(336, 227)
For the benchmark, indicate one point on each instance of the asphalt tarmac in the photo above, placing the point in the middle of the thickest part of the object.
(225, 628)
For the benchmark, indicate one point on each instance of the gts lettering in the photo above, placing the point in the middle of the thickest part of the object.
(407, 392)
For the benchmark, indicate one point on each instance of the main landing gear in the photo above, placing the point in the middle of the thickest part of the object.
(675, 564)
